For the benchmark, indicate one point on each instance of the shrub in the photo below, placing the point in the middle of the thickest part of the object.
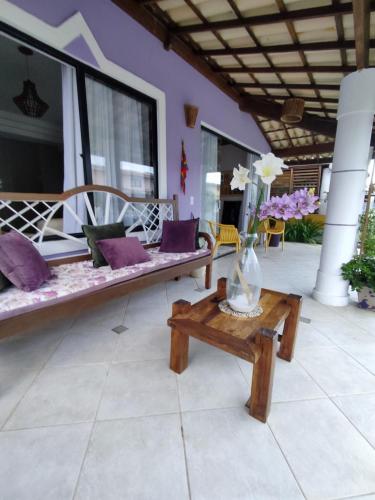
(303, 231)
(360, 272)
(369, 243)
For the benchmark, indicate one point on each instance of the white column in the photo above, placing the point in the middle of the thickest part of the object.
(349, 171)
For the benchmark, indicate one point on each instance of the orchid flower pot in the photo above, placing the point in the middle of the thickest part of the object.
(275, 240)
(366, 298)
(245, 280)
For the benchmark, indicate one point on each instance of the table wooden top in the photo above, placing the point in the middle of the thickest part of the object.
(206, 312)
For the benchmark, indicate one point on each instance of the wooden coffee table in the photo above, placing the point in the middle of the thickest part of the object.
(252, 339)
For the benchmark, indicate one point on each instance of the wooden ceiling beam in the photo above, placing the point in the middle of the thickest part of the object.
(340, 34)
(319, 161)
(323, 100)
(294, 36)
(161, 31)
(161, 28)
(308, 149)
(361, 16)
(276, 49)
(280, 17)
(255, 40)
(273, 111)
(291, 86)
(287, 69)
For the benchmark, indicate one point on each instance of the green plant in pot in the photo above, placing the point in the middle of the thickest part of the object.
(360, 272)
(367, 233)
(303, 231)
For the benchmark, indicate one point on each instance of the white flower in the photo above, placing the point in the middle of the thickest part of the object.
(269, 167)
(240, 178)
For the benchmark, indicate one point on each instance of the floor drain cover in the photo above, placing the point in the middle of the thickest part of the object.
(119, 329)
(305, 320)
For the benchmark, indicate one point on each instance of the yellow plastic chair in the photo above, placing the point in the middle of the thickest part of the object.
(278, 227)
(317, 218)
(224, 234)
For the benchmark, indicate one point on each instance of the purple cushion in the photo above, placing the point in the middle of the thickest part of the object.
(179, 236)
(21, 262)
(121, 252)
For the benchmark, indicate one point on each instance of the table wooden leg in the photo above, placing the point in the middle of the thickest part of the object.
(259, 403)
(179, 351)
(208, 276)
(221, 291)
(179, 356)
(289, 336)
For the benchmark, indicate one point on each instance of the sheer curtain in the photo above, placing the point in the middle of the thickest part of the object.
(211, 179)
(73, 163)
(119, 129)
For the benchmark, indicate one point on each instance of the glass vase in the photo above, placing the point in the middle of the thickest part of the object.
(245, 280)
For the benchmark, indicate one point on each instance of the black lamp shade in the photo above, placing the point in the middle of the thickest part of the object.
(29, 102)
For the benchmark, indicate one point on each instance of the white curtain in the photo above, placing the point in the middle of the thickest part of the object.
(211, 180)
(73, 164)
(119, 143)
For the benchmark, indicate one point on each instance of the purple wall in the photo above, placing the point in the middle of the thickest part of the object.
(128, 44)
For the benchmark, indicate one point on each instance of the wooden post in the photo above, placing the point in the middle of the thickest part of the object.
(259, 403)
(289, 336)
(179, 356)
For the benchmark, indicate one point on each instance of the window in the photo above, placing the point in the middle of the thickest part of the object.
(31, 139)
(121, 139)
(93, 129)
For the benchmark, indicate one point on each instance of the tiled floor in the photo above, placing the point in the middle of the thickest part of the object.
(86, 413)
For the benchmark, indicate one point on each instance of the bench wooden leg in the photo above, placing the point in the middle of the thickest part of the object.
(208, 277)
(179, 356)
(289, 336)
(259, 403)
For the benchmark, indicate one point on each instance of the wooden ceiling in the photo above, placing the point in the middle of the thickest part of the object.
(261, 52)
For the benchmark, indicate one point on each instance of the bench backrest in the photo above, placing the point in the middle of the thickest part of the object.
(34, 215)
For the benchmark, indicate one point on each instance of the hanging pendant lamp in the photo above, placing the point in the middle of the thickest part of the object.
(29, 101)
(292, 111)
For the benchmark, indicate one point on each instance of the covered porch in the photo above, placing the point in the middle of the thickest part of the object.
(122, 124)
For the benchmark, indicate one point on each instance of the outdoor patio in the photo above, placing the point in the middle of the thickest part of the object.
(103, 417)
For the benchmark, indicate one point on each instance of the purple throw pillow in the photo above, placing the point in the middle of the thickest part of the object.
(21, 262)
(122, 252)
(179, 236)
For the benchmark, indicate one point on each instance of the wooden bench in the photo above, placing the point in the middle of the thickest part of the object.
(33, 216)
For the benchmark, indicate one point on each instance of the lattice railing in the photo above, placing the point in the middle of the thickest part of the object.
(34, 215)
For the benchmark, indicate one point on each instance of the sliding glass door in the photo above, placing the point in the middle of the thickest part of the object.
(219, 203)
(211, 179)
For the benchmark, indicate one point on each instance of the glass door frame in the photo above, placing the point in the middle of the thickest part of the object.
(206, 127)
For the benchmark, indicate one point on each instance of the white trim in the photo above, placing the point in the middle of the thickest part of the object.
(61, 36)
(227, 136)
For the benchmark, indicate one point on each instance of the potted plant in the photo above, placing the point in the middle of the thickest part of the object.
(294, 206)
(360, 272)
